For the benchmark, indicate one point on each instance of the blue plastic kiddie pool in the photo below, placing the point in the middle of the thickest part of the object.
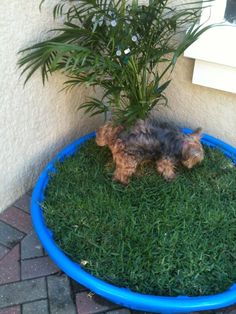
(122, 296)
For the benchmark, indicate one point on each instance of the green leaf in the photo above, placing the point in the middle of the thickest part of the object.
(161, 88)
(85, 51)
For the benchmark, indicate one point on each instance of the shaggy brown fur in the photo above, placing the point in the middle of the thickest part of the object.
(147, 140)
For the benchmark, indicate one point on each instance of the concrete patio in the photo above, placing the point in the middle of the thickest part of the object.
(31, 283)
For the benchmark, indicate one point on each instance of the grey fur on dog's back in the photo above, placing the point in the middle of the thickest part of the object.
(150, 139)
(147, 140)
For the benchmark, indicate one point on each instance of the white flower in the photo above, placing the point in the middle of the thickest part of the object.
(113, 23)
(118, 53)
(126, 51)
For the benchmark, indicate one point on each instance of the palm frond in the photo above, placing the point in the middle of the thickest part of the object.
(117, 45)
(94, 106)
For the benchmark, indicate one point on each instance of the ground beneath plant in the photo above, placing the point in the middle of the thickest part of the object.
(152, 236)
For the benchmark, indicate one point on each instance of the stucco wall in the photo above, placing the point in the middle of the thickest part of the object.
(193, 105)
(35, 121)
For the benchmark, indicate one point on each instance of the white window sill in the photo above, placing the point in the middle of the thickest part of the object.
(215, 54)
(214, 75)
(217, 45)
(215, 51)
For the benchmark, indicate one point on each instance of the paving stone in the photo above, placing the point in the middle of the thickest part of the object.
(10, 266)
(59, 291)
(31, 247)
(11, 310)
(3, 251)
(37, 307)
(208, 312)
(23, 202)
(37, 267)
(9, 236)
(119, 311)
(17, 218)
(88, 303)
(76, 287)
(228, 310)
(29, 192)
(23, 291)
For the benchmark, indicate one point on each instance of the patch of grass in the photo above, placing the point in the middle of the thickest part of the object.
(152, 236)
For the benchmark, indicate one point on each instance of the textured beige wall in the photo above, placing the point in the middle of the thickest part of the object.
(193, 106)
(35, 121)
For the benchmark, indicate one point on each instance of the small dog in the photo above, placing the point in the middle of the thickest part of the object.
(149, 140)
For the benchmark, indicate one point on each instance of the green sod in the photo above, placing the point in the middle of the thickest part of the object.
(151, 236)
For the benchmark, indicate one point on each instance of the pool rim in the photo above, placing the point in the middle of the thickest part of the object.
(122, 296)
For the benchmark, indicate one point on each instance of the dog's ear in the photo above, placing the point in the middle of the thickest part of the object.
(197, 134)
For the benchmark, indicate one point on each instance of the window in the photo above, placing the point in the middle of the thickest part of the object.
(230, 11)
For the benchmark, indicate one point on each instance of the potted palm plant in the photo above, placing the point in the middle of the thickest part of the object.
(129, 50)
(126, 48)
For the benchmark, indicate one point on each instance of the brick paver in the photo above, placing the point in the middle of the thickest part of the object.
(36, 307)
(10, 266)
(119, 311)
(28, 284)
(24, 202)
(9, 236)
(11, 310)
(88, 303)
(3, 251)
(17, 218)
(76, 287)
(31, 247)
(22, 291)
(37, 267)
(59, 292)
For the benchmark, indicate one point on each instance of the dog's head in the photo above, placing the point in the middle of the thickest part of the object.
(192, 151)
(107, 134)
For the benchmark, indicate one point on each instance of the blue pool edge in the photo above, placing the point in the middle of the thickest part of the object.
(122, 296)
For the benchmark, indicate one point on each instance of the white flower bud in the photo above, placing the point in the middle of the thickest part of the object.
(118, 53)
(113, 23)
(126, 51)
